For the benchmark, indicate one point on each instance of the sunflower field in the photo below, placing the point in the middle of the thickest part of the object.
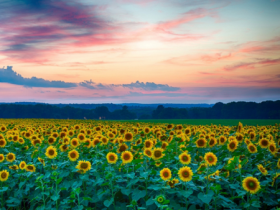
(87, 164)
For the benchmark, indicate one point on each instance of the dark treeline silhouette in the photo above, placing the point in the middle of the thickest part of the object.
(54, 112)
(233, 110)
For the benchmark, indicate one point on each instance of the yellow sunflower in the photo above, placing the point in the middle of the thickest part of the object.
(4, 175)
(83, 166)
(148, 152)
(10, 157)
(165, 174)
(127, 157)
(73, 155)
(232, 145)
(272, 148)
(2, 158)
(251, 185)
(185, 158)
(112, 158)
(22, 165)
(74, 142)
(157, 153)
(262, 169)
(3, 143)
(222, 140)
(210, 158)
(30, 168)
(81, 137)
(201, 143)
(51, 152)
(278, 163)
(13, 167)
(264, 143)
(252, 148)
(122, 147)
(212, 142)
(128, 136)
(148, 144)
(185, 174)
(41, 161)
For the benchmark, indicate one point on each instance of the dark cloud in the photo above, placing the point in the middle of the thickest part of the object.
(88, 84)
(10, 76)
(150, 86)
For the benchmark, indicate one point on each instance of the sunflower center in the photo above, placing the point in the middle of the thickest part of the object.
(10, 157)
(232, 145)
(30, 167)
(148, 144)
(51, 152)
(1, 143)
(3, 175)
(112, 157)
(251, 184)
(210, 159)
(185, 174)
(157, 154)
(200, 142)
(126, 156)
(72, 155)
(264, 143)
(84, 165)
(185, 158)
(166, 174)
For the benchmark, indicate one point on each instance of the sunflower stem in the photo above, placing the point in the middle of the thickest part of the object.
(2, 195)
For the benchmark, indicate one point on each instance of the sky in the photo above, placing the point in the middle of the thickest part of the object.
(139, 51)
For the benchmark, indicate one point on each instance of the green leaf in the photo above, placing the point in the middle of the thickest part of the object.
(3, 189)
(206, 198)
(154, 187)
(149, 202)
(131, 175)
(137, 194)
(187, 193)
(55, 197)
(108, 203)
(125, 191)
(58, 181)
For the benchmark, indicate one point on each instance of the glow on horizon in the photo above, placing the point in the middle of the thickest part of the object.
(201, 49)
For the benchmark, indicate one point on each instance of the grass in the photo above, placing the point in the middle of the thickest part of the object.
(226, 122)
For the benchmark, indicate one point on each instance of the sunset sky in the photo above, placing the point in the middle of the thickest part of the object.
(139, 51)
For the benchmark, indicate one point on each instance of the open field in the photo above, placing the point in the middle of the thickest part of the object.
(226, 122)
(86, 164)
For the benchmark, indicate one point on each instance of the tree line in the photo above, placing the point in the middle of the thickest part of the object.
(233, 110)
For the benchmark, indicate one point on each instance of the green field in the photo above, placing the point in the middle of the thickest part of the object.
(227, 122)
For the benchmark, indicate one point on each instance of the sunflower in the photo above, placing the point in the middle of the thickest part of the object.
(247, 141)
(278, 163)
(36, 142)
(63, 147)
(252, 148)
(128, 136)
(104, 140)
(3, 142)
(83, 166)
(212, 142)
(262, 169)
(157, 153)
(185, 158)
(264, 143)
(111, 135)
(274, 178)
(87, 143)
(81, 137)
(148, 152)
(172, 182)
(201, 168)
(10, 157)
(158, 164)
(252, 135)
(127, 157)
(211, 176)
(42, 161)
(30, 168)
(165, 174)
(122, 148)
(160, 199)
(148, 144)
(239, 137)
(164, 145)
(95, 142)
(22, 165)
(21, 140)
(201, 143)
(73, 155)
(147, 130)
(169, 126)
(2, 158)
(51, 152)
(251, 185)
(210, 158)
(112, 158)
(222, 140)
(240, 127)
(3, 128)
(13, 167)
(74, 142)
(232, 145)
(272, 148)
(185, 174)
(4, 175)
